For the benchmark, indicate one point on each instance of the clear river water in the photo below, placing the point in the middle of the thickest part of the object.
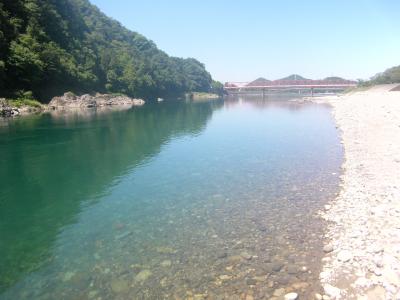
(174, 200)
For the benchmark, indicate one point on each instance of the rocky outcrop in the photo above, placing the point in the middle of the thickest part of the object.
(6, 110)
(71, 101)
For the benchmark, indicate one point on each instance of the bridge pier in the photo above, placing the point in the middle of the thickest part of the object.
(312, 92)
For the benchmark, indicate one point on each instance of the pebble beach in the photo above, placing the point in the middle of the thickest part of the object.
(362, 250)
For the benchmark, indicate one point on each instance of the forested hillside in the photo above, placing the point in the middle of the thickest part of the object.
(53, 46)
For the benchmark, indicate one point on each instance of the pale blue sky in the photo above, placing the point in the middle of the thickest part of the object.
(242, 40)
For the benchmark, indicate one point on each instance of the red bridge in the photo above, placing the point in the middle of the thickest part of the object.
(282, 84)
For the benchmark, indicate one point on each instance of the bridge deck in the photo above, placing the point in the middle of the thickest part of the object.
(326, 86)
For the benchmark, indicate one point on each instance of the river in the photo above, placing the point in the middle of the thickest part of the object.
(174, 200)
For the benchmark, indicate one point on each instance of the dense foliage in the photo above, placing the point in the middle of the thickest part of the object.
(391, 75)
(52, 46)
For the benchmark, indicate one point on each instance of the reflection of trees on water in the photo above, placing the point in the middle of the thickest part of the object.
(51, 163)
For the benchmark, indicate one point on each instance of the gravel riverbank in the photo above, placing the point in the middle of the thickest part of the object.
(362, 248)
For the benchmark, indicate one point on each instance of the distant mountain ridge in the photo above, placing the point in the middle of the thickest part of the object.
(293, 79)
(259, 81)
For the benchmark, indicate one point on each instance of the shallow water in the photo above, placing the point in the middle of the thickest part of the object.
(173, 200)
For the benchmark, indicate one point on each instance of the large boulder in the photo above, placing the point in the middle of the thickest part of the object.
(69, 100)
(108, 100)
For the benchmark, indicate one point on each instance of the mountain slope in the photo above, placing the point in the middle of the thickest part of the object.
(294, 77)
(259, 81)
(52, 46)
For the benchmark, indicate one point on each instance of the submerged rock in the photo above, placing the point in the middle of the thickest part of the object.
(68, 276)
(166, 250)
(123, 235)
(222, 255)
(166, 263)
(277, 266)
(251, 281)
(225, 277)
(143, 275)
(119, 285)
(246, 255)
(292, 269)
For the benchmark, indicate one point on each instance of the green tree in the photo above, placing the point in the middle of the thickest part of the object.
(54, 46)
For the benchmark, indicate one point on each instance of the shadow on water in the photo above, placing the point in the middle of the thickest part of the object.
(50, 164)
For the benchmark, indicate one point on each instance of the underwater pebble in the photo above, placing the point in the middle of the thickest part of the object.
(251, 281)
(119, 286)
(123, 235)
(166, 263)
(143, 276)
(68, 276)
(245, 255)
(225, 277)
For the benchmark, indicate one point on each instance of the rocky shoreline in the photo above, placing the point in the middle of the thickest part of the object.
(68, 102)
(7, 110)
(362, 248)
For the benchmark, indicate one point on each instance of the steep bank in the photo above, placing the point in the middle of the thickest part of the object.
(363, 236)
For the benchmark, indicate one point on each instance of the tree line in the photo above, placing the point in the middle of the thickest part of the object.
(391, 75)
(48, 47)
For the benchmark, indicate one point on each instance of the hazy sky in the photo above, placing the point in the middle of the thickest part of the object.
(242, 40)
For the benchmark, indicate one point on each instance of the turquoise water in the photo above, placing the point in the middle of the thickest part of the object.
(173, 200)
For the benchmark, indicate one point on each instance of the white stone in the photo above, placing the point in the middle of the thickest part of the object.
(362, 281)
(377, 272)
(328, 248)
(332, 291)
(291, 296)
(344, 256)
(392, 277)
